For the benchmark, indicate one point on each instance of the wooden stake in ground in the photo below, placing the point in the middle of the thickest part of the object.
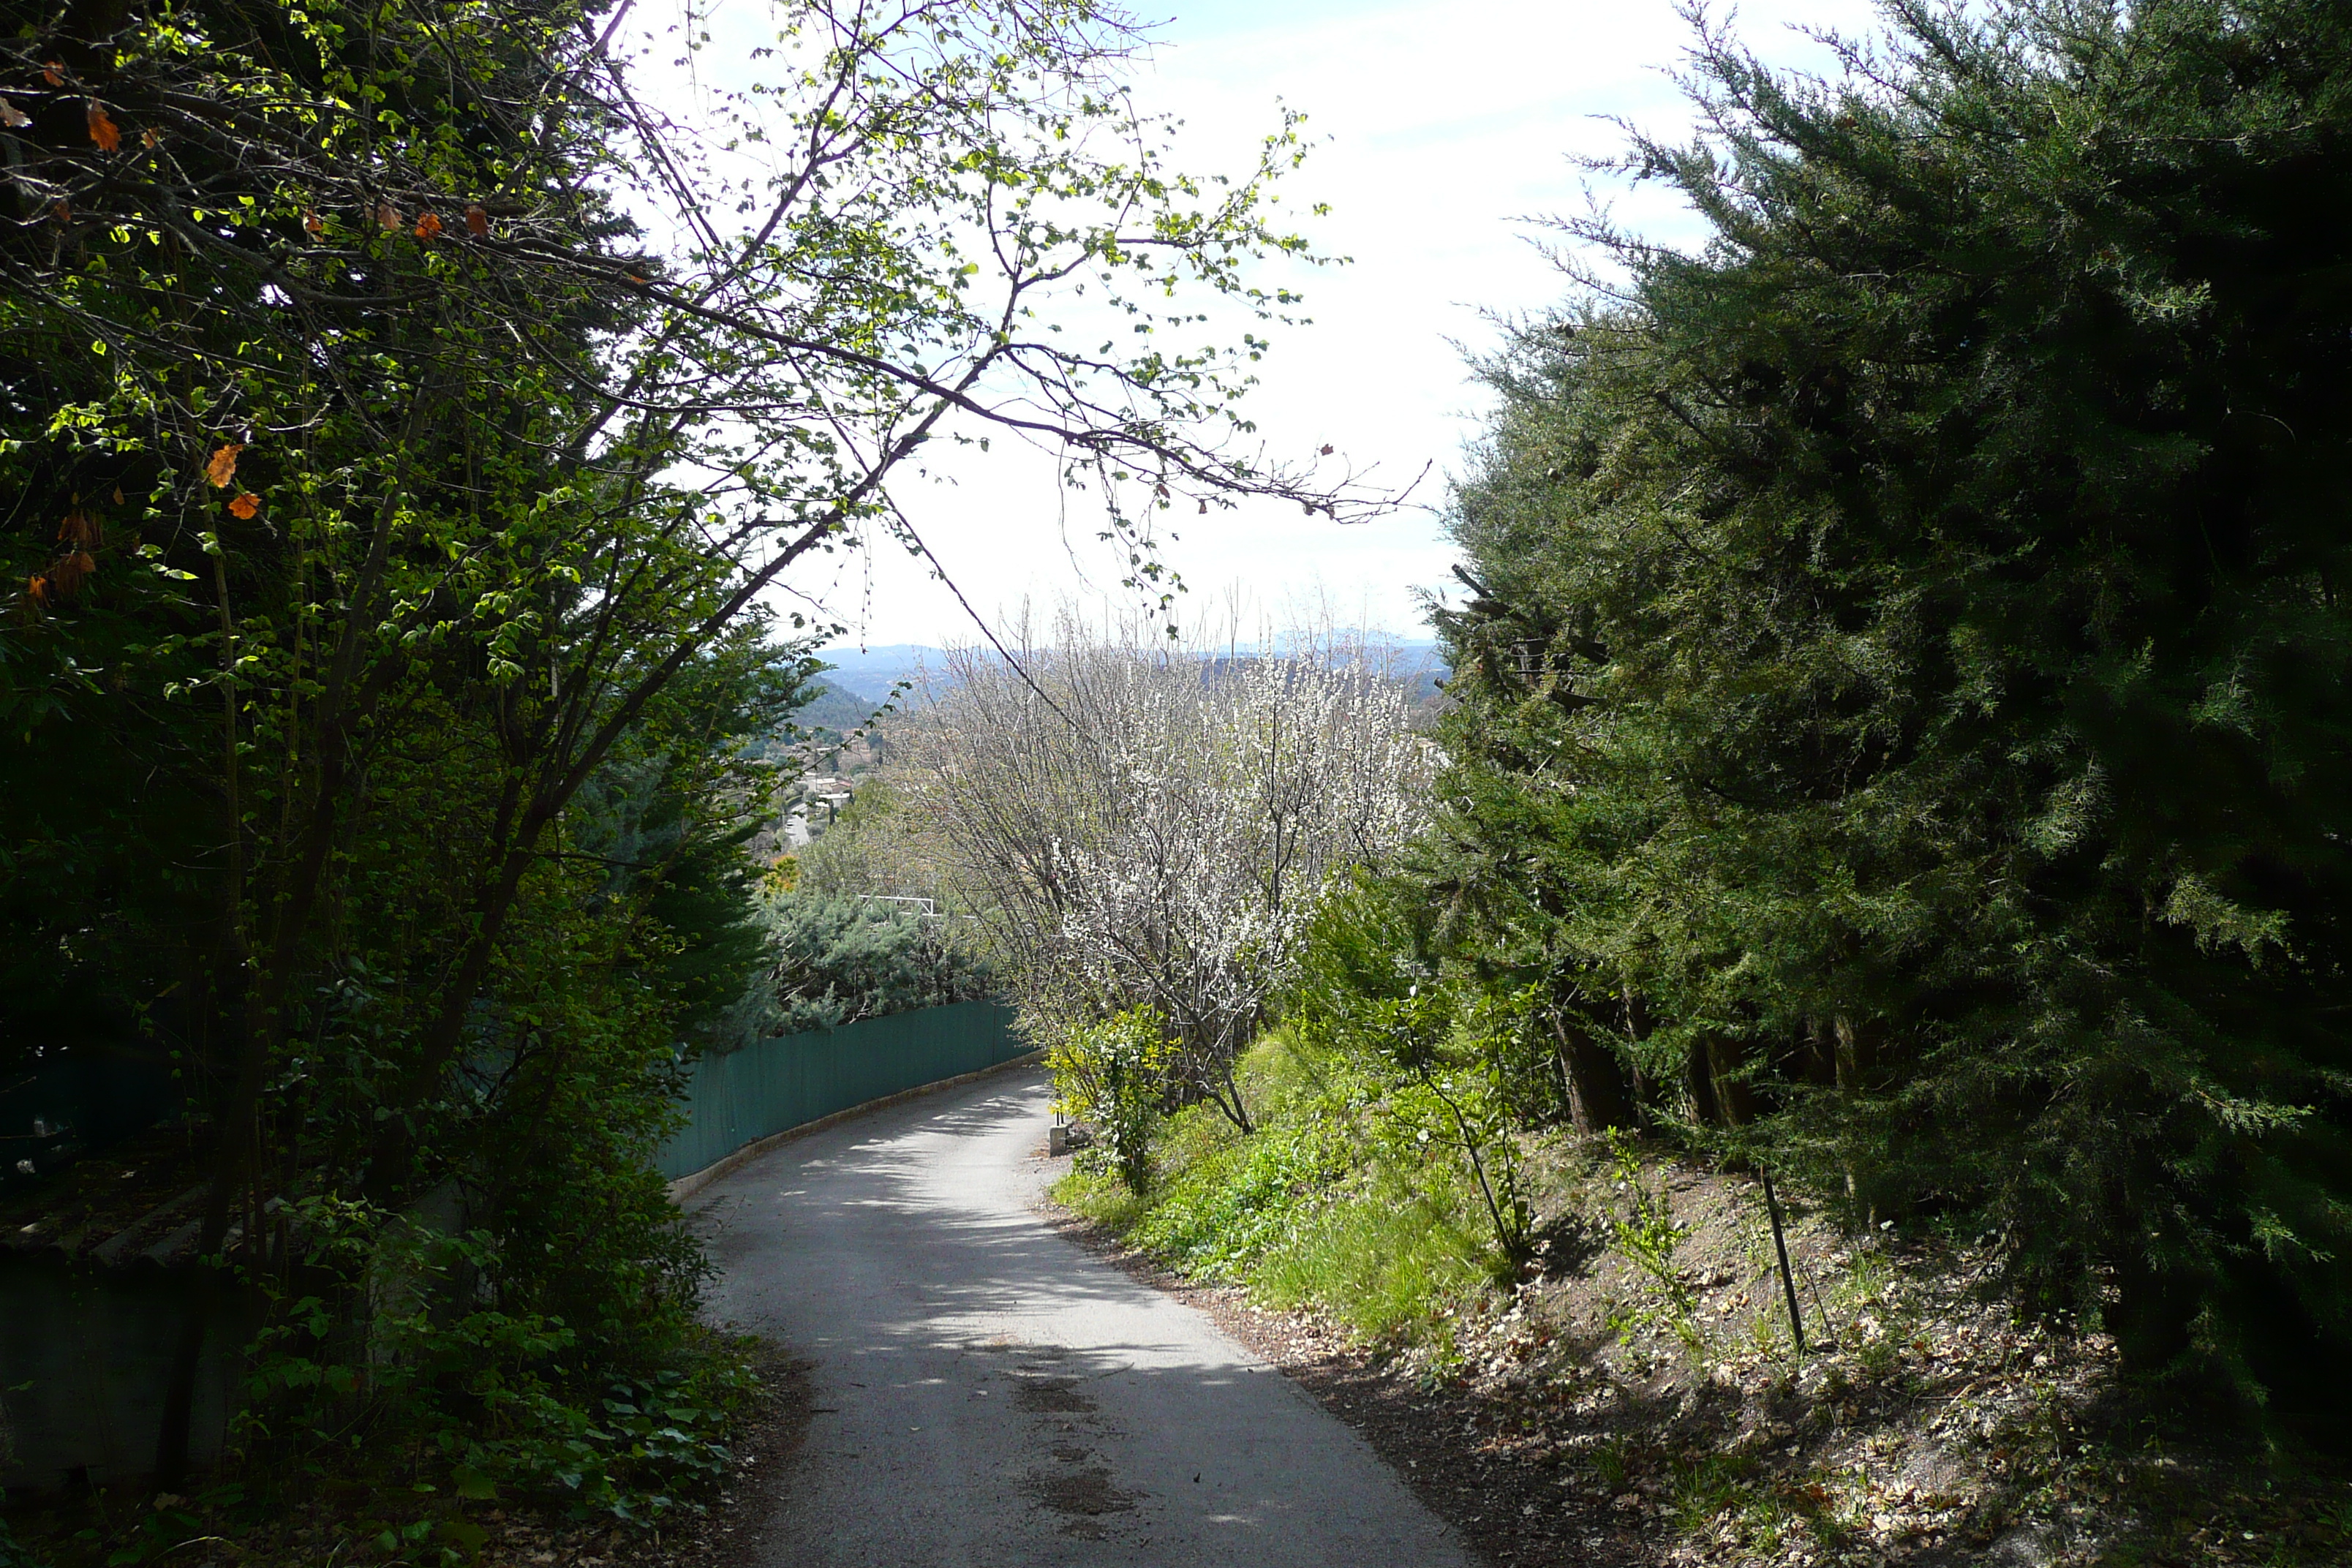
(1781, 1245)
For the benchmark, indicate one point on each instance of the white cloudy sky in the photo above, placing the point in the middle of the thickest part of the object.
(1440, 129)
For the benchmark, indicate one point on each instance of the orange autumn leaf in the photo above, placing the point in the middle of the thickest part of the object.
(311, 222)
(222, 467)
(245, 505)
(79, 529)
(477, 222)
(63, 213)
(429, 228)
(149, 140)
(54, 73)
(37, 590)
(103, 130)
(117, 495)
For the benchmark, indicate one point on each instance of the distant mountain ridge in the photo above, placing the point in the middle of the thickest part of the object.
(869, 672)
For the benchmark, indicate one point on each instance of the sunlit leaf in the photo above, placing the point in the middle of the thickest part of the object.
(473, 1484)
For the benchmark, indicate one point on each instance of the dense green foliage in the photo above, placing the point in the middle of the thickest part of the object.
(331, 777)
(1330, 1202)
(1113, 1077)
(1904, 730)
(384, 664)
(1461, 1062)
(835, 959)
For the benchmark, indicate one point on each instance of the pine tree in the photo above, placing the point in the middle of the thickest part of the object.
(1905, 709)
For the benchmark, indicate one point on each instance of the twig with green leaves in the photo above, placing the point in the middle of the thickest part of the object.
(1646, 1236)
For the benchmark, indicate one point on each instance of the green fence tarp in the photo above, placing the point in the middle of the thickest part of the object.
(778, 1084)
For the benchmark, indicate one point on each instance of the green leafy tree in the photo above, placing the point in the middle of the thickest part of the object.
(1113, 1077)
(1904, 710)
(395, 519)
(1379, 999)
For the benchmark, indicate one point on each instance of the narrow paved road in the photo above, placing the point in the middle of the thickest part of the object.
(990, 1396)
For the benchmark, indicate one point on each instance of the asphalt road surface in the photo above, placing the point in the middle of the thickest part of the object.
(988, 1395)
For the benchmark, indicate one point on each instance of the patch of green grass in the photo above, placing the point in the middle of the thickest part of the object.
(1101, 1198)
(1381, 1261)
(1277, 1078)
(1707, 1485)
(1305, 1210)
(1235, 1199)
(1611, 1464)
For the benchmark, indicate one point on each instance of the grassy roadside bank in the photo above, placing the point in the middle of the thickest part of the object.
(1635, 1393)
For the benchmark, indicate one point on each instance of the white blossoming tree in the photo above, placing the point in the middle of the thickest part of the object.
(1149, 825)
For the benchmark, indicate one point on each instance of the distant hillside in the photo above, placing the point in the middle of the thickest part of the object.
(832, 707)
(868, 672)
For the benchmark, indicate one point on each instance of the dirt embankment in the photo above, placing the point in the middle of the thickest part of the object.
(1606, 1412)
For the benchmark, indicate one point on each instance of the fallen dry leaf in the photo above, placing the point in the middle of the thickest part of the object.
(103, 130)
(69, 572)
(223, 466)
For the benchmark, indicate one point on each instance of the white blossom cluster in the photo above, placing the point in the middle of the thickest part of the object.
(1153, 826)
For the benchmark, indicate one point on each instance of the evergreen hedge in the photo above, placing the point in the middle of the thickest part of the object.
(1902, 701)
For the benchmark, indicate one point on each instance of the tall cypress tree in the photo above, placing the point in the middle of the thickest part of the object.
(1905, 704)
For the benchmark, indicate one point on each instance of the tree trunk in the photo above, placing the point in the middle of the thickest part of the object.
(1637, 1028)
(1722, 1094)
(1857, 1052)
(1700, 1081)
(1820, 1052)
(1595, 1079)
(1857, 1056)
